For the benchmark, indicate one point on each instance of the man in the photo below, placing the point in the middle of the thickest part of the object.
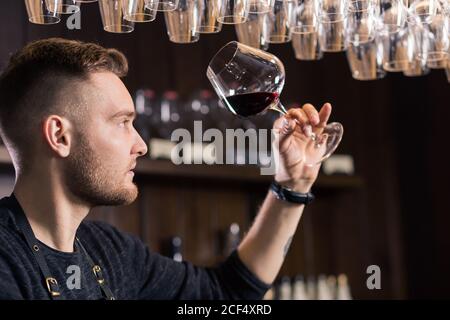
(66, 120)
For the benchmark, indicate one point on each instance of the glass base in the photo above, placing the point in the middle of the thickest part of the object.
(118, 28)
(210, 29)
(368, 75)
(323, 145)
(44, 19)
(140, 17)
(184, 38)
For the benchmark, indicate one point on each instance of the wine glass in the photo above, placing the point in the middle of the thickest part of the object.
(249, 82)
(113, 17)
(305, 32)
(364, 49)
(39, 13)
(138, 11)
(63, 6)
(252, 31)
(183, 23)
(331, 16)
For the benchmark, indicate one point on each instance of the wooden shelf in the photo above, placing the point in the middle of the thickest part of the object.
(242, 173)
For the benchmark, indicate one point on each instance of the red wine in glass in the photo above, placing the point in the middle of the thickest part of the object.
(250, 104)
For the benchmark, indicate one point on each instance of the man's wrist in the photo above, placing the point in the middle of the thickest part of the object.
(289, 195)
(297, 186)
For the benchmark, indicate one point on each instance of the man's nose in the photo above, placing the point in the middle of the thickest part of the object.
(140, 146)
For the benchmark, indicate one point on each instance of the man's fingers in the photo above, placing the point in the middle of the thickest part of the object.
(324, 115)
(311, 112)
(308, 119)
(299, 114)
(302, 120)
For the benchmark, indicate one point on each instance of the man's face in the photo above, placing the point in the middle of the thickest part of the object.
(98, 170)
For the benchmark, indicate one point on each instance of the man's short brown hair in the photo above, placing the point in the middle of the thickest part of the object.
(43, 78)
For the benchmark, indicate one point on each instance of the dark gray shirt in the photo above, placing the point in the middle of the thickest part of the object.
(131, 270)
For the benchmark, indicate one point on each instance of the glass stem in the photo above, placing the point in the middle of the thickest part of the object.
(277, 106)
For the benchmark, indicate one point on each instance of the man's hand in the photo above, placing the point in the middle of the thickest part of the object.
(293, 142)
(264, 248)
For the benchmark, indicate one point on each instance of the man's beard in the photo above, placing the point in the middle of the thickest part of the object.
(92, 182)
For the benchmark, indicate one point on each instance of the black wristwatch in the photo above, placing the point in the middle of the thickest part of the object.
(289, 195)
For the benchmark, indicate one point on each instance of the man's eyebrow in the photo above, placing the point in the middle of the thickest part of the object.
(130, 114)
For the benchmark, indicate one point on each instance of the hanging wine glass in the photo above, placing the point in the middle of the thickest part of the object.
(39, 13)
(416, 67)
(434, 17)
(279, 22)
(305, 38)
(364, 49)
(252, 32)
(63, 6)
(183, 23)
(331, 15)
(233, 11)
(138, 11)
(113, 18)
(209, 13)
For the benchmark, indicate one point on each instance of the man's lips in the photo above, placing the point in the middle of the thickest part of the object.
(131, 171)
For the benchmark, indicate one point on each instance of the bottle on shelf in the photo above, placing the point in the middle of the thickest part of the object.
(311, 287)
(145, 104)
(165, 119)
(299, 290)
(285, 289)
(323, 290)
(343, 288)
(332, 283)
(232, 239)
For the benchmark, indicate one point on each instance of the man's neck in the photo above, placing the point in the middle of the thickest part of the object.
(52, 213)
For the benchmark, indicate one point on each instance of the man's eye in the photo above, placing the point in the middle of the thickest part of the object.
(124, 122)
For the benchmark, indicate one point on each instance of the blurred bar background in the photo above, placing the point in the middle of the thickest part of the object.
(392, 212)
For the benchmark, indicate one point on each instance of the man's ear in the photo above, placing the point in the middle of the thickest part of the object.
(58, 134)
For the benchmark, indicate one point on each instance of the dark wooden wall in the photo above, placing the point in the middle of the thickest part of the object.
(395, 128)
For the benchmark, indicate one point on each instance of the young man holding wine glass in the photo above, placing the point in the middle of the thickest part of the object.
(66, 119)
